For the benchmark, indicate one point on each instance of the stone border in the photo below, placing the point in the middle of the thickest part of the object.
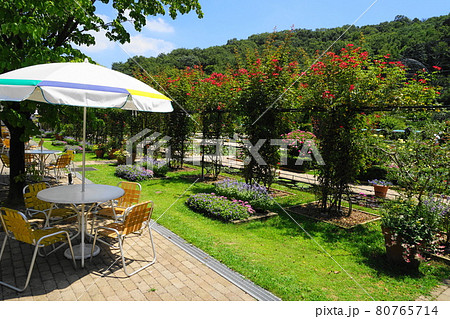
(253, 218)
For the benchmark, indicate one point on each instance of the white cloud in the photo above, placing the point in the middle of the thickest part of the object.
(102, 43)
(159, 25)
(141, 45)
(104, 17)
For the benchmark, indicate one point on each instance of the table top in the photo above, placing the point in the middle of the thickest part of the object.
(72, 194)
(39, 151)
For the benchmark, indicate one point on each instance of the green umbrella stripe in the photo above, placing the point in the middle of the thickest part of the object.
(19, 82)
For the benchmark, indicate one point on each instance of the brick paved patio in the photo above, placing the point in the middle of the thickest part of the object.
(175, 276)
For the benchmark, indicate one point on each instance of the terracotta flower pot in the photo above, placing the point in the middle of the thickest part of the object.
(395, 252)
(380, 191)
(99, 153)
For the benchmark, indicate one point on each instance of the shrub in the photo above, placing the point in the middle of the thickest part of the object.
(133, 173)
(159, 167)
(89, 147)
(373, 172)
(59, 143)
(75, 148)
(48, 134)
(70, 140)
(220, 207)
(257, 195)
(414, 225)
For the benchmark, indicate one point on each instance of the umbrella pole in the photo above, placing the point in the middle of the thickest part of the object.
(83, 177)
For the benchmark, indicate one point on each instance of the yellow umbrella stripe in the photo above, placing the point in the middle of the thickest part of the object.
(149, 94)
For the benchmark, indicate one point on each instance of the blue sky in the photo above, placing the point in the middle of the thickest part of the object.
(228, 19)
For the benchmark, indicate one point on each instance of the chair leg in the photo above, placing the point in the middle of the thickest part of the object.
(1, 173)
(3, 246)
(145, 266)
(33, 259)
(71, 250)
(93, 244)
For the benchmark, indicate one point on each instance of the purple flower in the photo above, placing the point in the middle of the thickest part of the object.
(133, 173)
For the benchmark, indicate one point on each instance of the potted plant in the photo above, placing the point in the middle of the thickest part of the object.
(380, 187)
(111, 147)
(121, 156)
(99, 150)
(410, 231)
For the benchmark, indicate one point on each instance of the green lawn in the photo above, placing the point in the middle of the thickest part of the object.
(90, 156)
(298, 260)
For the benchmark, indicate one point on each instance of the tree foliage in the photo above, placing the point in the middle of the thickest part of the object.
(334, 90)
(424, 41)
(35, 31)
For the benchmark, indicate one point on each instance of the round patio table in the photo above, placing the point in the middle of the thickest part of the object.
(72, 194)
(43, 155)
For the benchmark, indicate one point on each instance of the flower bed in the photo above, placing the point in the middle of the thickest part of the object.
(133, 173)
(75, 148)
(59, 143)
(220, 207)
(159, 167)
(257, 195)
(70, 140)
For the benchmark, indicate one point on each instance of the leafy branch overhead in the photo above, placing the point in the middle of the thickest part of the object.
(36, 32)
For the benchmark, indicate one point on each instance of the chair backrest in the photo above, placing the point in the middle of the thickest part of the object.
(29, 158)
(71, 153)
(5, 159)
(6, 142)
(41, 142)
(16, 225)
(132, 194)
(63, 160)
(30, 196)
(5, 132)
(136, 215)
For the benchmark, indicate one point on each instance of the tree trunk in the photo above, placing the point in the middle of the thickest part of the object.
(17, 172)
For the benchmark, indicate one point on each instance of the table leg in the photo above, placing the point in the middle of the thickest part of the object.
(42, 164)
(83, 250)
(82, 235)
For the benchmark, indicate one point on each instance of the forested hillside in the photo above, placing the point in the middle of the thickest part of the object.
(418, 43)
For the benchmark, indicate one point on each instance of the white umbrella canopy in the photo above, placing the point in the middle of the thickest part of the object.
(81, 84)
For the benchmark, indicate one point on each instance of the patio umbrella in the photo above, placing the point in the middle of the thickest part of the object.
(81, 84)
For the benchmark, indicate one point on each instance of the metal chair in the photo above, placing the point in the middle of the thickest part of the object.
(131, 197)
(5, 132)
(39, 145)
(72, 156)
(36, 208)
(135, 218)
(6, 145)
(17, 227)
(62, 162)
(5, 164)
